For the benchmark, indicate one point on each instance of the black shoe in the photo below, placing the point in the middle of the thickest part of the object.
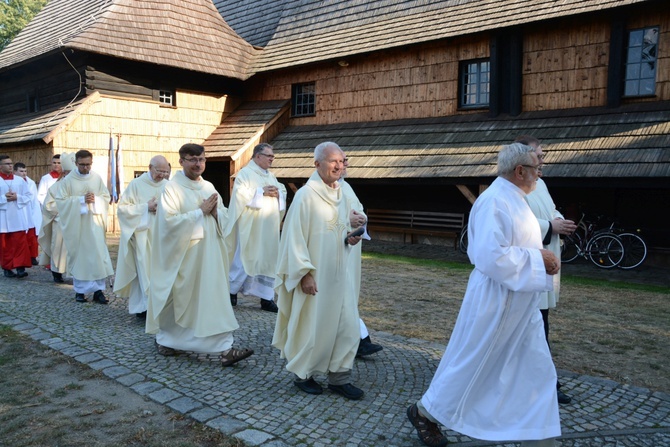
(9, 273)
(309, 386)
(33, 261)
(563, 398)
(80, 298)
(141, 315)
(347, 390)
(233, 299)
(99, 297)
(21, 272)
(58, 277)
(366, 347)
(269, 305)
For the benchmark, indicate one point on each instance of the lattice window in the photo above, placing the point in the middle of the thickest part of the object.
(475, 83)
(641, 62)
(303, 100)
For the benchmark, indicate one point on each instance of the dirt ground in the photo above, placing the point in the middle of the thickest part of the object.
(602, 329)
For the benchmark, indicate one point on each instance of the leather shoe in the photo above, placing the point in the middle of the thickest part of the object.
(34, 261)
(9, 274)
(269, 305)
(58, 277)
(366, 347)
(233, 299)
(309, 386)
(99, 297)
(563, 398)
(80, 298)
(21, 272)
(347, 390)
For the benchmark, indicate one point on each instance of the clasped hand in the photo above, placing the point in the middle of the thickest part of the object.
(208, 205)
(551, 262)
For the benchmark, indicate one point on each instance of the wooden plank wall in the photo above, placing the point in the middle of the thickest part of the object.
(146, 129)
(564, 66)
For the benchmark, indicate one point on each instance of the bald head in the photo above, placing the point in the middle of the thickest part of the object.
(159, 168)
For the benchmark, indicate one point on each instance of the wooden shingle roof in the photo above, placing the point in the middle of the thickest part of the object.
(44, 125)
(239, 131)
(188, 34)
(631, 142)
(307, 31)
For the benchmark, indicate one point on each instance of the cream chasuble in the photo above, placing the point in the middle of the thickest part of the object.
(132, 266)
(496, 380)
(316, 333)
(189, 263)
(84, 225)
(543, 207)
(257, 219)
(51, 236)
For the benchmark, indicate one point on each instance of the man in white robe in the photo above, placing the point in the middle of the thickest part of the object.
(137, 214)
(358, 219)
(49, 179)
(188, 308)
(54, 253)
(256, 209)
(317, 324)
(82, 201)
(497, 380)
(15, 200)
(34, 212)
(552, 226)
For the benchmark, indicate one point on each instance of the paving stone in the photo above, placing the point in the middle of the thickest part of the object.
(184, 404)
(257, 401)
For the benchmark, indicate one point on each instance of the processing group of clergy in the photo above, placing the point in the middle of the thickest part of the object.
(184, 257)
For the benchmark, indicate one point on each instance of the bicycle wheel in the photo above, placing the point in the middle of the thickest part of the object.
(570, 247)
(605, 250)
(634, 251)
(463, 241)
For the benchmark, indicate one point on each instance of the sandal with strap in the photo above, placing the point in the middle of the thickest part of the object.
(165, 350)
(428, 431)
(235, 355)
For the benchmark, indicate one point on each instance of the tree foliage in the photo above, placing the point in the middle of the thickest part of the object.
(14, 15)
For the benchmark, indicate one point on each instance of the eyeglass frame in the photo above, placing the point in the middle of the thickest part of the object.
(537, 168)
(195, 160)
(267, 155)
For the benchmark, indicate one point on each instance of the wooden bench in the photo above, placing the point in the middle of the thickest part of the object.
(411, 223)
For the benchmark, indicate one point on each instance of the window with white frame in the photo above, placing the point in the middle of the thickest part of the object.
(166, 97)
(641, 60)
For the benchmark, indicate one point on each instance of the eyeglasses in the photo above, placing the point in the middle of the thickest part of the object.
(270, 156)
(195, 160)
(161, 172)
(537, 168)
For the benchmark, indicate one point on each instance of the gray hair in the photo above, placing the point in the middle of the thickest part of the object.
(259, 148)
(320, 150)
(513, 155)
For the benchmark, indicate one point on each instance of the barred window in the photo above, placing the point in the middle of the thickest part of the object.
(475, 83)
(303, 100)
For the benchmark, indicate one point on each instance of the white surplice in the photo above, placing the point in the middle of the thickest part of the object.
(543, 207)
(132, 267)
(316, 333)
(252, 233)
(189, 305)
(497, 381)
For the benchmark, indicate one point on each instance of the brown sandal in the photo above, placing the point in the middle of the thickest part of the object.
(428, 431)
(235, 355)
(166, 351)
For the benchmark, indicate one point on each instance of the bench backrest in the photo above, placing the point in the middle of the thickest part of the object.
(416, 219)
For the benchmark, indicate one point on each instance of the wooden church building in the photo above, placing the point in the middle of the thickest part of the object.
(420, 94)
